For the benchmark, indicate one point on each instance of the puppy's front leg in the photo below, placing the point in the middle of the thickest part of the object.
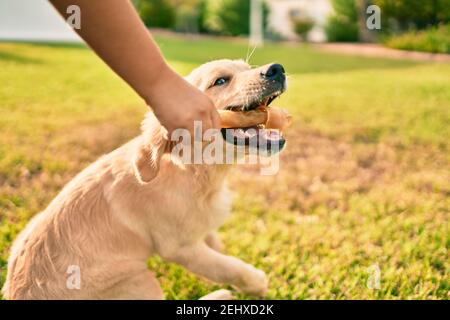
(217, 267)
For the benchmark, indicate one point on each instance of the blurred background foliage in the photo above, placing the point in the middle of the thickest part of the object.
(343, 24)
(302, 26)
(223, 17)
(400, 15)
(406, 24)
(231, 17)
(435, 39)
(156, 13)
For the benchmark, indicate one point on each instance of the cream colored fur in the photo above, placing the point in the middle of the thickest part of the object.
(129, 205)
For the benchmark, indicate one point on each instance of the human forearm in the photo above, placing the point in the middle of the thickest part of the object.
(113, 29)
(115, 32)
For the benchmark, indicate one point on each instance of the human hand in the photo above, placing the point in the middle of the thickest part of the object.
(177, 104)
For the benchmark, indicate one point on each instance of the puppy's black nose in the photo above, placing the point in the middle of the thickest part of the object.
(275, 72)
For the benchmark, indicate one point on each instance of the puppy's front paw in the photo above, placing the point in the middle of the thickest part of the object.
(254, 282)
(218, 295)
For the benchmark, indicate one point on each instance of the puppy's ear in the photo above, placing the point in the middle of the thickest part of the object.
(148, 156)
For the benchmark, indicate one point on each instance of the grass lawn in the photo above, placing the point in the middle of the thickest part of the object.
(364, 180)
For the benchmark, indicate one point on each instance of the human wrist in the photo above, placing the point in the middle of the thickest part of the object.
(164, 76)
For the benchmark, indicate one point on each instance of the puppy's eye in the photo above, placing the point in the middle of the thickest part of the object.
(220, 81)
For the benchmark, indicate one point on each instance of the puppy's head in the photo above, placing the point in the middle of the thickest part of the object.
(234, 85)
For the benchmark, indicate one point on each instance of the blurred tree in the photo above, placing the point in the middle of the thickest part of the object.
(182, 15)
(302, 26)
(232, 17)
(202, 16)
(343, 24)
(187, 15)
(156, 13)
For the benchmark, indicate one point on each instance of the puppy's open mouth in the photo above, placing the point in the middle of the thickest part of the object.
(258, 136)
(256, 103)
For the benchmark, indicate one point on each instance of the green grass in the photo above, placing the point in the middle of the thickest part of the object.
(364, 179)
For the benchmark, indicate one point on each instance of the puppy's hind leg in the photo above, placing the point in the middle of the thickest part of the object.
(140, 286)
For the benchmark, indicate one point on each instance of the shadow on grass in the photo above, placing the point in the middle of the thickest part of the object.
(18, 58)
(14, 57)
(62, 45)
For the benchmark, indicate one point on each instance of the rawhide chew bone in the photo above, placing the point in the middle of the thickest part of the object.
(272, 118)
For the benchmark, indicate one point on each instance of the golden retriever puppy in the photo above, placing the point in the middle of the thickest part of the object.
(94, 239)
